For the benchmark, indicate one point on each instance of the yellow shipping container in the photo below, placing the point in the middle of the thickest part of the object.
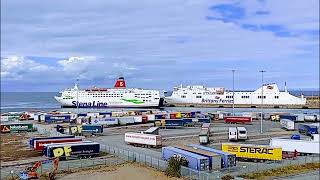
(178, 115)
(253, 151)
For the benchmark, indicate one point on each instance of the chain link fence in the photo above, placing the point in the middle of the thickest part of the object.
(159, 164)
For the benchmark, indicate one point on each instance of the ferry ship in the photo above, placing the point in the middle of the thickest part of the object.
(218, 95)
(119, 96)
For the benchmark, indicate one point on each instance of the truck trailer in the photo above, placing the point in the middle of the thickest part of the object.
(195, 161)
(287, 124)
(308, 129)
(227, 159)
(237, 119)
(31, 140)
(237, 133)
(140, 139)
(72, 150)
(253, 152)
(39, 144)
(214, 158)
(304, 146)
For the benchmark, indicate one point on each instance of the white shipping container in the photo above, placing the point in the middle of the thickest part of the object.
(104, 121)
(137, 119)
(300, 117)
(287, 124)
(73, 116)
(290, 145)
(117, 114)
(4, 118)
(143, 139)
(151, 117)
(125, 120)
(310, 118)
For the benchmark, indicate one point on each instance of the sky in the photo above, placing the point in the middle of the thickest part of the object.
(48, 45)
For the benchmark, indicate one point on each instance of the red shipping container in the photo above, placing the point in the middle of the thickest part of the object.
(237, 119)
(39, 144)
(173, 116)
(144, 119)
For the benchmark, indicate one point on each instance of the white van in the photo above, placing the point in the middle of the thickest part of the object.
(233, 134)
(237, 133)
(242, 133)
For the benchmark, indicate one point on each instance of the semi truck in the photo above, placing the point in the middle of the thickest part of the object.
(302, 146)
(237, 119)
(227, 159)
(204, 136)
(253, 152)
(39, 144)
(195, 161)
(140, 139)
(237, 133)
(31, 140)
(72, 150)
(214, 158)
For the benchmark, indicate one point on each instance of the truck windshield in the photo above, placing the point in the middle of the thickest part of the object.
(242, 132)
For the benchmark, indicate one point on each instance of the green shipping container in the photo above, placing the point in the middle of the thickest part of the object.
(20, 127)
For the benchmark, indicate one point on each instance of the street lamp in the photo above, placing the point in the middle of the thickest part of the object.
(233, 92)
(262, 71)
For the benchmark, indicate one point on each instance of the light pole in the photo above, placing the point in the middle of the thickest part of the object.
(233, 92)
(77, 94)
(262, 71)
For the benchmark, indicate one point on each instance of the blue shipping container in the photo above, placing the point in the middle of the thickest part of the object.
(31, 140)
(228, 160)
(92, 128)
(159, 116)
(204, 120)
(290, 117)
(195, 161)
(173, 123)
(57, 118)
(308, 129)
(187, 121)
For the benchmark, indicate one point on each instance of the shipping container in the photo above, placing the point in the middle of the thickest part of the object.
(207, 126)
(301, 146)
(195, 161)
(144, 119)
(126, 120)
(173, 123)
(300, 117)
(105, 114)
(187, 122)
(143, 139)
(93, 114)
(227, 159)
(92, 129)
(237, 119)
(310, 118)
(307, 129)
(214, 158)
(73, 150)
(151, 117)
(290, 117)
(137, 119)
(16, 127)
(117, 114)
(39, 144)
(31, 140)
(204, 120)
(105, 121)
(287, 124)
(49, 118)
(254, 152)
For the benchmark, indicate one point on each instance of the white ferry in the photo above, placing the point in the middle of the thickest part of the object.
(118, 96)
(218, 95)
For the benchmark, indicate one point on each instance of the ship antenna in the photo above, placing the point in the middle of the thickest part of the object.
(285, 87)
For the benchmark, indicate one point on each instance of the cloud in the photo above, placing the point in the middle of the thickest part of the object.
(166, 41)
(17, 67)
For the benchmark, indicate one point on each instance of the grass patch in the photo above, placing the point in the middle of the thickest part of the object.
(288, 170)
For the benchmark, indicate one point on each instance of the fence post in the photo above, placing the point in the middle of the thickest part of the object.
(145, 159)
(151, 161)
(81, 163)
(158, 164)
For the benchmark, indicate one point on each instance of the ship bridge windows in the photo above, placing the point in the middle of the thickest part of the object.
(245, 97)
(259, 97)
(229, 97)
(198, 96)
(276, 97)
(183, 96)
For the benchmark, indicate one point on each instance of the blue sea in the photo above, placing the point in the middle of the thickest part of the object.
(44, 101)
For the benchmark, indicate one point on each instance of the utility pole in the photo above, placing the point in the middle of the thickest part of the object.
(77, 94)
(233, 92)
(262, 71)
